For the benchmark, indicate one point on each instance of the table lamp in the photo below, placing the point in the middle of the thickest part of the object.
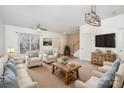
(11, 52)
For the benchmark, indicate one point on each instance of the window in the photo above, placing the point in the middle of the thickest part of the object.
(35, 42)
(29, 42)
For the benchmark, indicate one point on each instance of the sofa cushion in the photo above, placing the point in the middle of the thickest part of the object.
(24, 81)
(8, 80)
(107, 80)
(20, 66)
(121, 70)
(51, 57)
(50, 52)
(92, 82)
(11, 65)
(32, 54)
(22, 73)
(119, 78)
(116, 64)
(104, 68)
(1, 69)
(35, 59)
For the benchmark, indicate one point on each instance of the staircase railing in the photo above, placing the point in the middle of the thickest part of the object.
(75, 46)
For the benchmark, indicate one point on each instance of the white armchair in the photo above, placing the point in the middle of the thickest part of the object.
(50, 57)
(33, 58)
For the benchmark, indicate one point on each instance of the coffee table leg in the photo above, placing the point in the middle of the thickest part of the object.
(66, 78)
(77, 73)
(53, 70)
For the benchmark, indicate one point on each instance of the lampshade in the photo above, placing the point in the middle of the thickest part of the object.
(11, 50)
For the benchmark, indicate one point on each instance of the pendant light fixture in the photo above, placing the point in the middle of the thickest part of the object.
(92, 18)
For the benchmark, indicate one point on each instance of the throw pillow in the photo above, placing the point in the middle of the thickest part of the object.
(33, 54)
(107, 80)
(9, 79)
(4, 60)
(50, 52)
(11, 66)
(116, 64)
(12, 61)
(118, 83)
(1, 82)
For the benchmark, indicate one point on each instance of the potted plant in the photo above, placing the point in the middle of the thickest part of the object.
(67, 50)
(64, 59)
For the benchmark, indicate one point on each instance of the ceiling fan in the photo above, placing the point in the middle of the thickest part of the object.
(38, 27)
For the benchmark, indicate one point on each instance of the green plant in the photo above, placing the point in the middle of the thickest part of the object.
(66, 50)
(64, 58)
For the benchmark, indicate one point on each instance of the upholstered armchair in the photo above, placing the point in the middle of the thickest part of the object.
(33, 58)
(50, 55)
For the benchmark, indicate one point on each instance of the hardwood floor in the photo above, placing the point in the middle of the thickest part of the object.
(46, 79)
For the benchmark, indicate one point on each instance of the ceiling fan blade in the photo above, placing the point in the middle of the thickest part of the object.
(38, 27)
(43, 29)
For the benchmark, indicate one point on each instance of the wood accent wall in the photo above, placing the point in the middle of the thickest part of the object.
(72, 39)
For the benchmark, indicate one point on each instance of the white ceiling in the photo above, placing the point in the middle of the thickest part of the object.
(60, 18)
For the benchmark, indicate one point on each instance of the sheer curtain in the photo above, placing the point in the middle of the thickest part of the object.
(28, 42)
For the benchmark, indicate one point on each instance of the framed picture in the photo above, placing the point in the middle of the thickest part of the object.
(47, 41)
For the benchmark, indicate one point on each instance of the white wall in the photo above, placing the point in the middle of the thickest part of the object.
(11, 34)
(86, 31)
(110, 25)
(113, 25)
(2, 38)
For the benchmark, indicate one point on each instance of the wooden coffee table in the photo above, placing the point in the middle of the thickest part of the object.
(67, 69)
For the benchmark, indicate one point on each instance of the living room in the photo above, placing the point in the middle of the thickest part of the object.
(60, 51)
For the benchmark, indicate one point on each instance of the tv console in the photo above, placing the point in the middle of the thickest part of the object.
(99, 57)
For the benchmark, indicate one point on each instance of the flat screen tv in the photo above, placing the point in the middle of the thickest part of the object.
(105, 40)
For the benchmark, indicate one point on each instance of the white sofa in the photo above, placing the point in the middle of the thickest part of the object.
(107, 65)
(33, 60)
(50, 58)
(121, 54)
(93, 81)
(23, 78)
